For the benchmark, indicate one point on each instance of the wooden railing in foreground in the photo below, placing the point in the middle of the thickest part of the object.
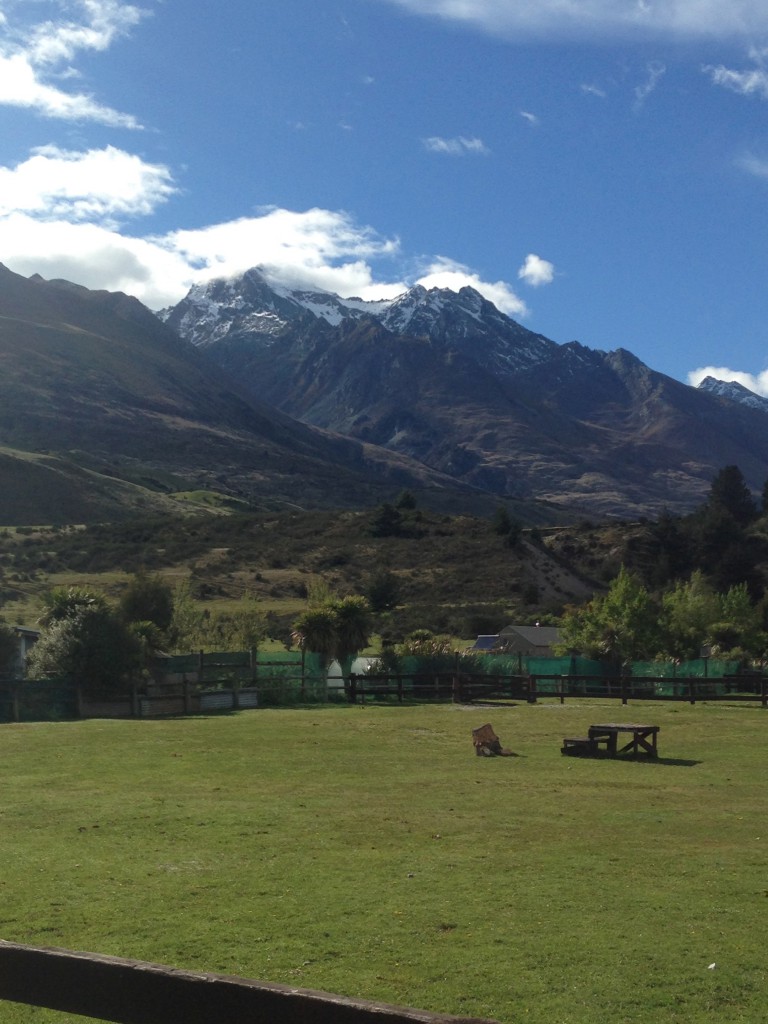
(132, 992)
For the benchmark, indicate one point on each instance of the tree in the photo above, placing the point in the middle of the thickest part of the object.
(387, 521)
(338, 629)
(147, 599)
(406, 500)
(686, 614)
(383, 591)
(730, 493)
(620, 626)
(502, 521)
(91, 645)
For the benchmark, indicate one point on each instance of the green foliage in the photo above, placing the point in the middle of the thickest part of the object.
(406, 500)
(147, 598)
(65, 603)
(502, 521)
(387, 521)
(338, 629)
(91, 645)
(729, 493)
(621, 626)
(383, 591)
(695, 616)
(188, 623)
(424, 644)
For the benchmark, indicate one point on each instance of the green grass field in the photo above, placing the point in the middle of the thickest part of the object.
(367, 851)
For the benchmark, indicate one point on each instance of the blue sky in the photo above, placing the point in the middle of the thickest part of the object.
(597, 168)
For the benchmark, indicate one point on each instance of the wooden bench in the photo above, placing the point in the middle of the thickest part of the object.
(579, 746)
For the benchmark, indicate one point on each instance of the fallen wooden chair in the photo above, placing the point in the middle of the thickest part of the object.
(488, 744)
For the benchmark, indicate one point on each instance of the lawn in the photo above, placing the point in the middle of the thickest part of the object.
(367, 851)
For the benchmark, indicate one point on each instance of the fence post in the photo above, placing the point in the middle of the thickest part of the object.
(531, 689)
(763, 692)
(135, 707)
(692, 690)
(624, 690)
(15, 701)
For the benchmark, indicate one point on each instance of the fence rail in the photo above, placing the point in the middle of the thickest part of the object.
(46, 700)
(133, 992)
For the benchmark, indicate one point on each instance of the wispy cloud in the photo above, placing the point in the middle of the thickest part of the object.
(753, 382)
(460, 146)
(593, 90)
(754, 165)
(535, 271)
(752, 82)
(655, 71)
(35, 60)
(530, 118)
(606, 19)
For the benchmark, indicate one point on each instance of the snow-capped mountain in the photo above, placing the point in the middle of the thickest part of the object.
(734, 392)
(446, 378)
(249, 306)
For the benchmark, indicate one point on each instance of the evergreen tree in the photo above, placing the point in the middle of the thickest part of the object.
(730, 493)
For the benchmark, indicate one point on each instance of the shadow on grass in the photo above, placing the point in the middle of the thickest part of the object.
(678, 762)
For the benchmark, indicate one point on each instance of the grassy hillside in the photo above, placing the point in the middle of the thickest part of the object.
(453, 574)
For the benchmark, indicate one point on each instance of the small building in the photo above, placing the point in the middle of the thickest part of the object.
(26, 639)
(532, 641)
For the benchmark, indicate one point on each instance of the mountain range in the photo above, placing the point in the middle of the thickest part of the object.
(445, 378)
(251, 395)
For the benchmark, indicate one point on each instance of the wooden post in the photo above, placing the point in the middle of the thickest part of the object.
(15, 701)
(692, 690)
(763, 692)
(531, 689)
(135, 706)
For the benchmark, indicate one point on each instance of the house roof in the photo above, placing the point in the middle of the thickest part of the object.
(536, 636)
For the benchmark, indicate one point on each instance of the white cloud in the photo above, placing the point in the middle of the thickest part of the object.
(535, 271)
(748, 83)
(94, 256)
(593, 90)
(530, 118)
(447, 273)
(456, 147)
(100, 184)
(596, 19)
(753, 382)
(655, 72)
(31, 57)
(61, 214)
(754, 165)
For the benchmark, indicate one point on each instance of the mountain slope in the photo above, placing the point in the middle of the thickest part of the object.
(446, 378)
(96, 381)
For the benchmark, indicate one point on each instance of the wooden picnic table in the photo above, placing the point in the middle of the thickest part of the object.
(643, 739)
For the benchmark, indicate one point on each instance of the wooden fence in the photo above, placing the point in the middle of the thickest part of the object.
(133, 992)
(463, 688)
(29, 700)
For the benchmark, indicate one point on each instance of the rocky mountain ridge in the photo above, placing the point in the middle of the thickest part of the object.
(446, 378)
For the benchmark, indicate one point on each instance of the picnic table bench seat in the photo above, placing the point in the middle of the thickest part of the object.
(579, 746)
